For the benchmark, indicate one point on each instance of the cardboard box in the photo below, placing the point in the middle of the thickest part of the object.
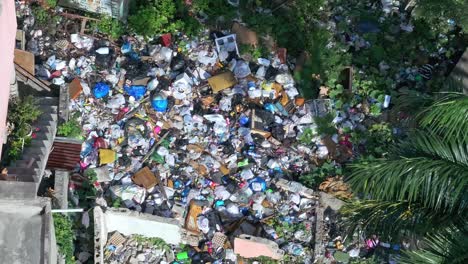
(75, 88)
(195, 209)
(145, 178)
(244, 34)
(222, 81)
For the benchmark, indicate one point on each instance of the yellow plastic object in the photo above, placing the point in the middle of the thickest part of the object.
(106, 156)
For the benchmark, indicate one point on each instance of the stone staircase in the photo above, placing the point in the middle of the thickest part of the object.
(30, 168)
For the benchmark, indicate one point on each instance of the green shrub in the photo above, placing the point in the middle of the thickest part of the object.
(319, 174)
(64, 236)
(154, 241)
(51, 3)
(41, 15)
(23, 111)
(155, 17)
(112, 27)
(325, 125)
(70, 129)
(257, 52)
(214, 9)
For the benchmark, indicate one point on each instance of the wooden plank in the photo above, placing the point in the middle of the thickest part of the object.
(25, 60)
(21, 37)
(29, 79)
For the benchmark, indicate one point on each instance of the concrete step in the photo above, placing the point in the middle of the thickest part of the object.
(28, 163)
(23, 174)
(35, 151)
(20, 171)
(40, 144)
(48, 101)
(47, 117)
(45, 123)
(44, 136)
(48, 108)
(45, 129)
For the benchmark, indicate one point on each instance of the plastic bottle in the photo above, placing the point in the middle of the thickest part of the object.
(103, 51)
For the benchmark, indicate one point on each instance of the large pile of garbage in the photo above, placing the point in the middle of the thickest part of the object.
(184, 128)
(190, 131)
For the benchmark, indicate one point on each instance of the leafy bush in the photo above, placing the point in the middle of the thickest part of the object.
(435, 12)
(51, 3)
(15, 149)
(319, 174)
(111, 27)
(214, 9)
(257, 52)
(154, 241)
(41, 15)
(64, 236)
(325, 125)
(155, 17)
(377, 139)
(70, 129)
(307, 136)
(21, 113)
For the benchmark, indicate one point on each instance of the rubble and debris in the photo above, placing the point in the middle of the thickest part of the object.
(196, 145)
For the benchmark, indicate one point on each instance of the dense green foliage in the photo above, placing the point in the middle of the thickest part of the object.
(111, 27)
(51, 3)
(446, 246)
(436, 11)
(155, 17)
(71, 128)
(425, 181)
(319, 174)
(21, 113)
(64, 236)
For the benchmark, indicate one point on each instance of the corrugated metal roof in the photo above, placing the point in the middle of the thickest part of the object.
(64, 156)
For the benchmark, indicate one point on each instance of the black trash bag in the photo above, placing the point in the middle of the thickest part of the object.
(268, 118)
(105, 61)
(216, 34)
(170, 103)
(236, 100)
(135, 68)
(277, 132)
(201, 258)
(232, 55)
(253, 67)
(271, 73)
(178, 63)
(163, 84)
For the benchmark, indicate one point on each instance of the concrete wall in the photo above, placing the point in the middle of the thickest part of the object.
(26, 232)
(7, 45)
(17, 190)
(131, 222)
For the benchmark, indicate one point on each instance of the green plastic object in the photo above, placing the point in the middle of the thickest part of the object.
(182, 255)
(243, 163)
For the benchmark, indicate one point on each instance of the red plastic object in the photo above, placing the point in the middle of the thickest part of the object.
(166, 40)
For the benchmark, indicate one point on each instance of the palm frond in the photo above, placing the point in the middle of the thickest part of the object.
(437, 184)
(411, 101)
(447, 117)
(429, 144)
(392, 220)
(447, 246)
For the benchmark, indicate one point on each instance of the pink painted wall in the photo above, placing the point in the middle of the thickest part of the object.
(7, 46)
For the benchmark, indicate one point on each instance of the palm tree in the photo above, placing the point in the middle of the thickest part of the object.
(421, 187)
